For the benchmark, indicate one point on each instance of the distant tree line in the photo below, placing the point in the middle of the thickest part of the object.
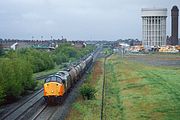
(1, 50)
(68, 53)
(17, 67)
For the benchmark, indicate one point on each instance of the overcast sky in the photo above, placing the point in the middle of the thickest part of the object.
(76, 19)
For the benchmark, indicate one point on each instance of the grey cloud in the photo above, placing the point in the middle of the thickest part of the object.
(76, 19)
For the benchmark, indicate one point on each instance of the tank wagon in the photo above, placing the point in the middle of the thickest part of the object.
(57, 86)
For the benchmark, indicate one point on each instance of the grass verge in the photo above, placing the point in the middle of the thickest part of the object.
(133, 91)
(89, 109)
(46, 72)
(137, 91)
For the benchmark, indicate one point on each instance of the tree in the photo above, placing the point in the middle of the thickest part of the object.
(15, 78)
(1, 50)
(87, 91)
(2, 94)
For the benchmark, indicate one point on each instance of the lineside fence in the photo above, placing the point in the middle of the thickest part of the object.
(103, 110)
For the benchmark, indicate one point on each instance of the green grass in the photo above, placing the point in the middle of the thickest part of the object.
(56, 69)
(39, 85)
(133, 91)
(46, 72)
(107, 51)
(113, 100)
(137, 91)
(89, 109)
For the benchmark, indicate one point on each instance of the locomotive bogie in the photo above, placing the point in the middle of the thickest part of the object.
(53, 99)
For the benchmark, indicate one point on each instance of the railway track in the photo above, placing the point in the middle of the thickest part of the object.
(45, 112)
(13, 113)
(63, 110)
(48, 112)
(18, 111)
(39, 112)
(24, 110)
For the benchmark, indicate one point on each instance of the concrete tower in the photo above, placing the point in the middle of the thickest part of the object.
(154, 26)
(174, 25)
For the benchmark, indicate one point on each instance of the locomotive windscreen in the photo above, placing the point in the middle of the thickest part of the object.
(53, 79)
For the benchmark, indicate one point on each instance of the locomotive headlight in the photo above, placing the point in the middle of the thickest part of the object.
(52, 91)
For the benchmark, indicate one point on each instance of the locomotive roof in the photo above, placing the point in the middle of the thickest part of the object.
(57, 78)
(63, 74)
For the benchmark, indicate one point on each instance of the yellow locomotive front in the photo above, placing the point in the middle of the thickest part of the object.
(53, 89)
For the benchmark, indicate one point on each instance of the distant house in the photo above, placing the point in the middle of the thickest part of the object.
(79, 44)
(14, 46)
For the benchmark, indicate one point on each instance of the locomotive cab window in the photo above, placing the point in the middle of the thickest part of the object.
(53, 79)
(47, 80)
(59, 80)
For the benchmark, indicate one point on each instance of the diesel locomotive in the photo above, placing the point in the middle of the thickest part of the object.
(57, 86)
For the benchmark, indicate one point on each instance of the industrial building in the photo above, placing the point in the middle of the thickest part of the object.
(154, 26)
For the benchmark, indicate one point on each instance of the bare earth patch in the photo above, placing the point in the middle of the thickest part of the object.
(97, 71)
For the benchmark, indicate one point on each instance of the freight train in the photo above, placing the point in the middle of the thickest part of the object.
(57, 86)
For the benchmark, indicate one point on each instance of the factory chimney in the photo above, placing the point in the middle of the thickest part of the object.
(174, 25)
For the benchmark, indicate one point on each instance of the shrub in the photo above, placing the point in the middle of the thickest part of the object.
(2, 94)
(87, 91)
